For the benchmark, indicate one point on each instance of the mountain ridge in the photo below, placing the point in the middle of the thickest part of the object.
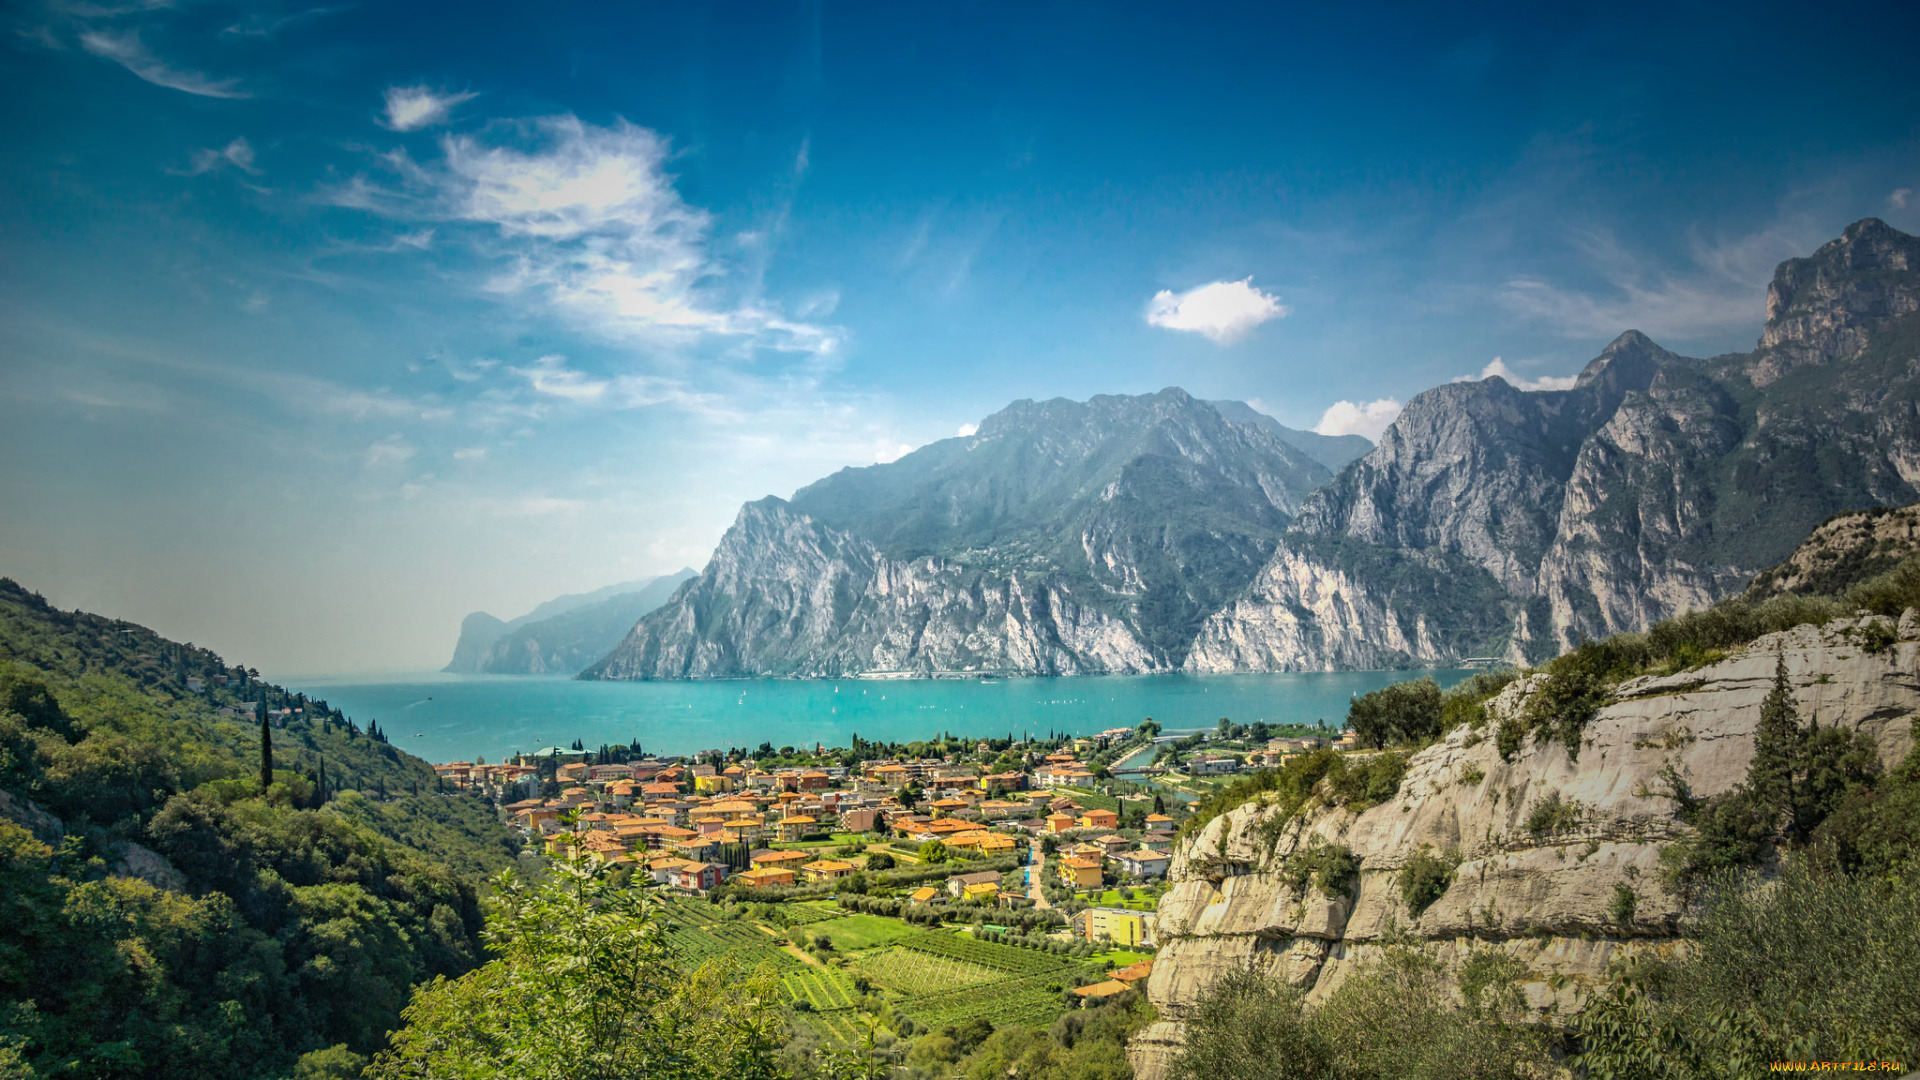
(562, 635)
(1118, 534)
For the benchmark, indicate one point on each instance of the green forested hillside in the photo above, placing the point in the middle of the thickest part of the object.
(286, 923)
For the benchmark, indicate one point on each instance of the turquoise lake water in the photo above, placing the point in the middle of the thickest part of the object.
(458, 717)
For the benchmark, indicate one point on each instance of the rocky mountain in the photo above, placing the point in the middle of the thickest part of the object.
(562, 635)
(1333, 451)
(1062, 537)
(1491, 521)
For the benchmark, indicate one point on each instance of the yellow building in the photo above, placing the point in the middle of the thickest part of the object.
(1125, 928)
(1080, 873)
(982, 893)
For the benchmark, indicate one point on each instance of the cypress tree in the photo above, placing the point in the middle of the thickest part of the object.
(1777, 749)
(266, 753)
(320, 795)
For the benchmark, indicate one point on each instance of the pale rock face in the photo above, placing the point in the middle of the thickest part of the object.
(1544, 899)
(1491, 521)
(786, 595)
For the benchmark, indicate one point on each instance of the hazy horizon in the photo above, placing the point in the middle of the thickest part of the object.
(325, 327)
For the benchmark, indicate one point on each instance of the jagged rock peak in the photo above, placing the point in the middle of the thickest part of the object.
(1628, 363)
(1824, 307)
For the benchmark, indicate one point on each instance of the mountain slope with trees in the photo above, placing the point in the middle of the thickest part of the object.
(166, 917)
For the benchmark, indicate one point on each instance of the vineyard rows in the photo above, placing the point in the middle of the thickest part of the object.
(1024, 1002)
(918, 973)
(1002, 958)
(826, 988)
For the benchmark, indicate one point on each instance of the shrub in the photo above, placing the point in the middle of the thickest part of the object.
(1553, 815)
(1424, 879)
(1331, 867)
(1467, 702)
(1403, 713)
(1709, 1015)
(1625, 901)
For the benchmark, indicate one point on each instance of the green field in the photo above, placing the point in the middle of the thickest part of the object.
(935, 976)
(851, 933)
(1142, 899)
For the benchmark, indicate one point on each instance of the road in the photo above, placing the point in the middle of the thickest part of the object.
(1034, 865)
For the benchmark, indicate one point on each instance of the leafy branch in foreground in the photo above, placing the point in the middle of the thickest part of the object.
(583, 987)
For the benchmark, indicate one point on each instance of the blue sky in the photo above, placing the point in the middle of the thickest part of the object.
(322, 326)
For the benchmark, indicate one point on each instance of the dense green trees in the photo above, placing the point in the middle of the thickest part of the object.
(582, 986)
(1394, 1019)
(283, 932)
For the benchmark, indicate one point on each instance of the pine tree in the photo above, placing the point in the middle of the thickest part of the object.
(320, 792)
(266, 753)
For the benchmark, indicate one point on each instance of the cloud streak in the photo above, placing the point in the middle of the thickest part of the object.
(126, 50)
(586, 220)
(1223, 311)
(410, 108)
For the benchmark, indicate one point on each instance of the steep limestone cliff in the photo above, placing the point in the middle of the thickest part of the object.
(1062, 537)
(1518, 523)
(1545, 898)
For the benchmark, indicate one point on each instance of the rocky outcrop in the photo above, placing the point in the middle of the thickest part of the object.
(1515, 524)
(130, 859)
(562, 635)
(1545, 898)
(1843, 551)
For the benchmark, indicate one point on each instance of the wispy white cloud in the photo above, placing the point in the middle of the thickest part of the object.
(392, 450)
(1721, 291)
(1348, 418)
(470, 453)
(410, 108)
(586, 220)
(126, 50)
(888, 452)
(1498, 367)
(968, 431)
(1223, 311)
(1898, 198)
(551, 376)
(237, 154)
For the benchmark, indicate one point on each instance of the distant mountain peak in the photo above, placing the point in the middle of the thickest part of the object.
(1826, 306)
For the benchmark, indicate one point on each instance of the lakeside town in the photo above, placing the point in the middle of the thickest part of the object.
(1007, 848)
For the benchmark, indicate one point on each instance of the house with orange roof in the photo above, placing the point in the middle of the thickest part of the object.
(696, 877)
(793, 828)
(1080, 872)
(827, 870)
(1099, 819)
(1135, 974)
(1101, 990)
(780, 858)
(1059, 823)
(765, 877)
(923, 894)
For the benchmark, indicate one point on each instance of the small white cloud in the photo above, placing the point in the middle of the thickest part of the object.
(238, 153)
(410, 108)
(470, 453)
(551, 376)
(1223, 311)
(1347, 418)
(1498, 367)
(888, 454)
(255, 304)
(127, 51)
(392, 450)
(1899, 198)
(967, 431)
